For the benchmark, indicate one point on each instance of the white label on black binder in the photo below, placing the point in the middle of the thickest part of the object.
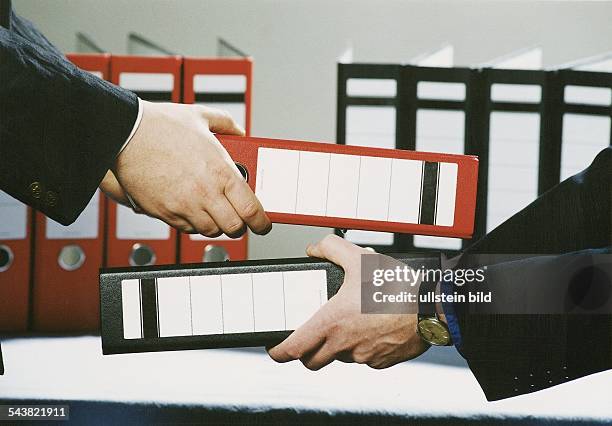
(525, 93)
(132, 226)
(226, 304)
(371, 87)
(370, 126)
(162, 82)
(85, 227)
(583, 137)
(587, 95)
(269, 301)
(206, 304)
(358, 187)
(14, 214)
(130, 307)
(514, 150)
(437, 90)
(174, 306)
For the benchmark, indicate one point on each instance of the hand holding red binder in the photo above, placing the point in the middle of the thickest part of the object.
(195, 188)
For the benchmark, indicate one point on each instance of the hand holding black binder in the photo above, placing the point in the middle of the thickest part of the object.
(216, 305)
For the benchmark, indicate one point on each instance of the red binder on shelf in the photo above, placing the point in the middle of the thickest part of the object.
(97, 64)
(136, 239)
(66, 264)
(223, 83)
(15, 261)
(354, 187)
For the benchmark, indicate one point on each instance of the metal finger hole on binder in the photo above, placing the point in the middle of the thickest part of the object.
(214, 253)
(243, 171)
(71, 257)
(6, 258)
(142, 255)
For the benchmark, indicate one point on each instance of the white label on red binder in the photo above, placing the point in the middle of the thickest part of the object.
(227, 303)
(358, 187)
(237, 110)
(85, 227)
(147, 81)
(226, 84)
(14, 214)
(132, 226)
(219, 83)
(370, 126)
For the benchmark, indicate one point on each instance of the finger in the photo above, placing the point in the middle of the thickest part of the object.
(247, 205)
(220, 121)
(308, 338)
(226, 218)
(204, 224)
(319, 358)
(335, 249)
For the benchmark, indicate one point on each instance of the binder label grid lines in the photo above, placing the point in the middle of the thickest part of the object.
(220, 304)
(356, 187)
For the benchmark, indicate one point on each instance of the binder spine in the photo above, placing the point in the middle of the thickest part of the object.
(113, 341)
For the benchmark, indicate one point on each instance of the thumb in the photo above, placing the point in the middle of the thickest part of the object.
(220, 121)
(337, 250)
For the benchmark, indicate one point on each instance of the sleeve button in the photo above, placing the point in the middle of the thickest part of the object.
(51, 199)
(36, 189)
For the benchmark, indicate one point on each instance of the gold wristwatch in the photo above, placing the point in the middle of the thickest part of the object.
(430, 327)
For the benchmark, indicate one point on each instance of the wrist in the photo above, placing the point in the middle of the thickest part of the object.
(439, 305)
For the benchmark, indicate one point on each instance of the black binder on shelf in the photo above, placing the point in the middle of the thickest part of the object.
(530, 129)
(579, 123)
(509, 126)
(436, 118)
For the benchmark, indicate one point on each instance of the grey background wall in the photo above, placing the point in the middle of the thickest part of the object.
(296, 43)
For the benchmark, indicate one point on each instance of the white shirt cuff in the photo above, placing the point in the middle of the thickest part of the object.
(136, 124)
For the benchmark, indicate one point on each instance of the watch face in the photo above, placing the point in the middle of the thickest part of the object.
(434, 332)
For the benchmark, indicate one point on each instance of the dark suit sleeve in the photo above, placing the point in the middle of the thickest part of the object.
(513, 354)
(60, 128)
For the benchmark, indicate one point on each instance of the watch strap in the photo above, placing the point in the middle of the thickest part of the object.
(426, 303)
